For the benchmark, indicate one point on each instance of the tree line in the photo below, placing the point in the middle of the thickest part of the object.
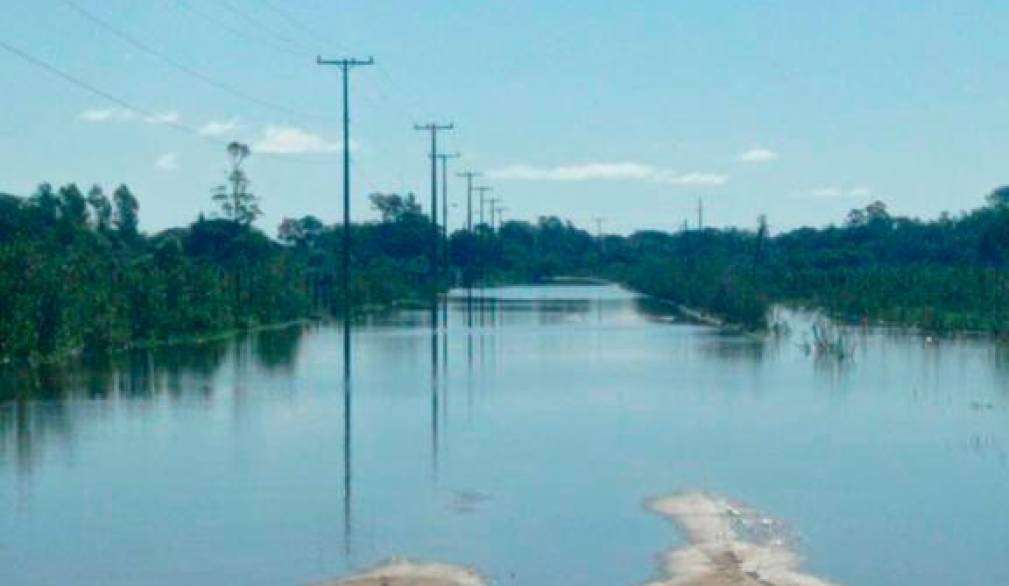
(77, 275)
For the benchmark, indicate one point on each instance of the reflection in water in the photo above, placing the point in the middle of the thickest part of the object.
(434, 385)
(347, 462)
(277, 349)
(561, 356)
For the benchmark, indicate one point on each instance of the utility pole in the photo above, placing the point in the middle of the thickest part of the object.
(345, 66)
(599, 227)
(700, 214)
(482, 189)
(500, 216)
(493, 207)
(469, 175)
(444, 204)
(434, 127)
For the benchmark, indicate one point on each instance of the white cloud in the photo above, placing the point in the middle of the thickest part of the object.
(106, 115)
(215, 128)
(627, 171)
(292, 140)
(758, 155)
(834, 192)
(163, 118)
(167, 162)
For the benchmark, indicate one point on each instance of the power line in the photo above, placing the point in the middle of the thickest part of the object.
(235, 30)
(131, 40)
(258, 24)
(296, 23)
(52, 69)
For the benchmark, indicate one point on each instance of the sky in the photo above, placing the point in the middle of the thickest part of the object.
(629, 111)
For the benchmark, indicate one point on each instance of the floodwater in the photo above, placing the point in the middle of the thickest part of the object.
(524, 437)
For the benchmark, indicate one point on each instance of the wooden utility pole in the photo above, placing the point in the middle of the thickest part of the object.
(433, 128)
(444, 204)
(469, 175)
(345, 66)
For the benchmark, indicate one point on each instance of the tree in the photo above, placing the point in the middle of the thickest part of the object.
(46, 202)
(127, 216)
(101, 209)
(237, 203)
(299, 232)
(999, 197)
(394, 207)
(73, 205)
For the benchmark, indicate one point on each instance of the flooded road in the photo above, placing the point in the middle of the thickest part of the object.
(532, 436)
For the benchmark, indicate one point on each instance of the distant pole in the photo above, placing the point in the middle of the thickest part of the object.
(444, 204)
(500, 216)
(493, 208)
(469, 175)
(434, 127)
(599, 227)
(482, 190)
(700, 214)
(345, 66)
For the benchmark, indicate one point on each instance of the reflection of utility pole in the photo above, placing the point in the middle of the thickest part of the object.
(469, 175)
(434, 127)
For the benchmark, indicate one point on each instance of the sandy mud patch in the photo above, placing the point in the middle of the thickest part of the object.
(728, 545)
(405, 573)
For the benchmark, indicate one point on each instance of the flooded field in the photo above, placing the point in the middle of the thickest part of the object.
(563, 435)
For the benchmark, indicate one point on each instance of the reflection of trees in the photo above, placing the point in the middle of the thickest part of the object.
(27, 428)
(277, 349)
(733, 346)
(36, 411)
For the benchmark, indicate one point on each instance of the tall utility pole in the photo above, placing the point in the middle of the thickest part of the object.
(700, 214)
(433, 128)
(469, 175)
(444, 204)
(599, 227)
(482, 190)
(345, 66)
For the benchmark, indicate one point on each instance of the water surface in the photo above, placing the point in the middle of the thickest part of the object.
(522, 437)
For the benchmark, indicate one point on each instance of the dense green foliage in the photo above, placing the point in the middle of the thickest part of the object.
(942, 275)
(77, 275)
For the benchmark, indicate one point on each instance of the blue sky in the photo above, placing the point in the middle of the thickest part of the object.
(628, 110)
